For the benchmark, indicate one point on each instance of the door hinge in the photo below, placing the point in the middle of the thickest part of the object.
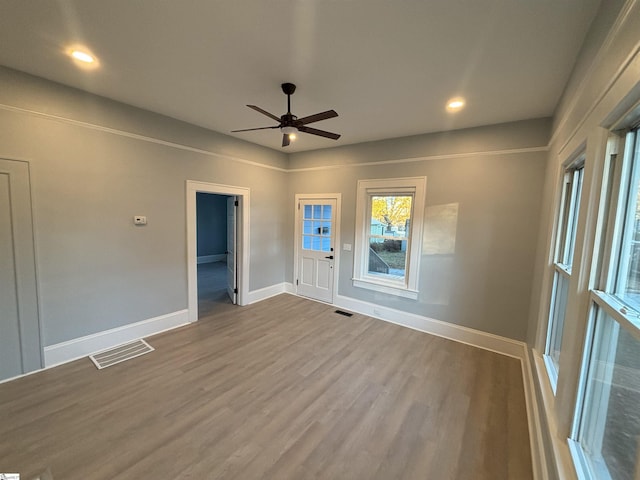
(235, 290)
(236, 203)
(298, 205)
(296, 281)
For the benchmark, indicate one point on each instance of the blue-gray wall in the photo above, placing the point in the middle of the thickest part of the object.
(211, 223)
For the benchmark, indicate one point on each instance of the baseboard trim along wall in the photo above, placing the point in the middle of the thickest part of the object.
(267, 292)
(476, 338)
(83, 346)
(211, 258)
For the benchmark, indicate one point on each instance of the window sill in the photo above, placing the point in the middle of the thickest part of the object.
(398, 291)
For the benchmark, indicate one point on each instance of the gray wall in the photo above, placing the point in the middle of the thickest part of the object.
(211, 224)
(96, 270)
(484, 281)
(96, 163)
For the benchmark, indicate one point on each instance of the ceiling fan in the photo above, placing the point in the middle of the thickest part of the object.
(290, 124)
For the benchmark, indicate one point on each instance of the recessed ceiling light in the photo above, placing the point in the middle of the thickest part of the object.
(455, 104)
(82, 56)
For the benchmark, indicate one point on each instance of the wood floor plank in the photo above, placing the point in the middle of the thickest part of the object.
(283, 389)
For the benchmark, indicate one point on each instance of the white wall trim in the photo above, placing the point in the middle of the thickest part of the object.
(81, 347)
(136, 136)
(144, 138)
(211, 258)
(445, 156)
(242, 239)
(469, 336)
(267, 292)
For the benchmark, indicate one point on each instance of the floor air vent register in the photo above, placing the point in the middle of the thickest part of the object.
(121, 353)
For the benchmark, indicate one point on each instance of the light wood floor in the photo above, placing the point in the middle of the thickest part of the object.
(212, 288)
(283, 389)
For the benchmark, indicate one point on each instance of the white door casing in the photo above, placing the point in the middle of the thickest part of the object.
(317, 245)
(242, 240)
(20, 343)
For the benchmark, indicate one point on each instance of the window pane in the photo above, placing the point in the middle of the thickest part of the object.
(317, 211)
(307, 211)
(610, 426)
(326, 244)
(573, 212)
(387, 257)
(316, 243)
(326, 212)
(307, 227)
(306, 242)
(390, 215)
(628, 284)
(559, 307)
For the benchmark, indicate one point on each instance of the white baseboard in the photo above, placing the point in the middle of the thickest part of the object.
(211, 258)
(266, 292)
(84, 346)
(476, 338)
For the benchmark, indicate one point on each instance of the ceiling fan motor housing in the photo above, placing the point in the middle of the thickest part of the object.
(288, 88)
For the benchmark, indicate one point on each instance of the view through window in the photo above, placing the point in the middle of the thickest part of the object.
(605, 440)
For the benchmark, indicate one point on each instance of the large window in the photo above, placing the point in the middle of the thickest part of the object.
(389, 218)
(604, 440)
(563, 260)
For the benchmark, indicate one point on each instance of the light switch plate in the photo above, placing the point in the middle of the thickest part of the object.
(140, 220)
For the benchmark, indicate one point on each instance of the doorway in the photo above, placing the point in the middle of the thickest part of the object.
(216, 260)
(317, 245)
(231, 227)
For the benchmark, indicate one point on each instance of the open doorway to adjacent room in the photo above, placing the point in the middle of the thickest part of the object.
(214, 230)
(217, 247)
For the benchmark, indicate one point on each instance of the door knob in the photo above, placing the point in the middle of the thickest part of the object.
(330, 257)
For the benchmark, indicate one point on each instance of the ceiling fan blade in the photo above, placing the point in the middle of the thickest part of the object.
(285, 140)
(250, 129)
(264, 112)
(321, 133)
(317, 117)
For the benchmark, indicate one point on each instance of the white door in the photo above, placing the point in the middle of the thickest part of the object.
(232, 234)
(19, 327)
(316, 248)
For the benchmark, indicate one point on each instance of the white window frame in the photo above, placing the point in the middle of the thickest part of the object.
(568, 208)
(623, 175)
(414, 186)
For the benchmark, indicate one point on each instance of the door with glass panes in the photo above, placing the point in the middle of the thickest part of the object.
(316, 248)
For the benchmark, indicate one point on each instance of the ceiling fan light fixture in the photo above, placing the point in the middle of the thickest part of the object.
(288, 130)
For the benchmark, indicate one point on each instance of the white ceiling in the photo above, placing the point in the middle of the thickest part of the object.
(386, 66)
